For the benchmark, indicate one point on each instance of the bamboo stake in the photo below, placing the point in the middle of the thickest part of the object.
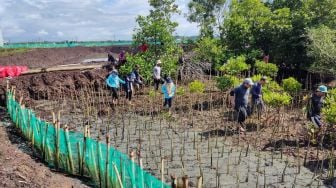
(162, 170)
(118, 175)
(199, 182)
(69, 149)
(107, 160)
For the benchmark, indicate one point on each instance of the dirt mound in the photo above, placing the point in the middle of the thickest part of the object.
(50, 85)
(46, 57)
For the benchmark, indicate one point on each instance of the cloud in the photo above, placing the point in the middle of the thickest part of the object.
(42, 32)
(54, 20)
(60, 34)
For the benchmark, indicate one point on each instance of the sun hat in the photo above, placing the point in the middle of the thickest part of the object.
(248, 81)
(158, 62)
(323, 89)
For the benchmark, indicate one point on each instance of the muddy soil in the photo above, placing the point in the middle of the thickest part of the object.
(199, 134)
(20, 168)
(47, 57)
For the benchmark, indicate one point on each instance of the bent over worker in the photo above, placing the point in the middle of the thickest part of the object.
(315, 106)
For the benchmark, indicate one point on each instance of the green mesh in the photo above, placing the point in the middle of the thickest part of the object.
(66, 44)
(71, 152)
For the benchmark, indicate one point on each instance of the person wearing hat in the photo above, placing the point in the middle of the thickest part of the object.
(315, 105)
(113, 81)
(157, 75)
(241, 100)
(168, 90)
(256, 91)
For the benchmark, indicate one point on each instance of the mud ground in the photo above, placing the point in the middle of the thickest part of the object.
(20, 168)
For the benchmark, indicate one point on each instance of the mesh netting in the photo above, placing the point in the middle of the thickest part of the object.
(78, 155)
(66, 44)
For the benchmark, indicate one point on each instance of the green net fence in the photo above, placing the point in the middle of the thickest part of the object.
(76, 154)
(67, 44)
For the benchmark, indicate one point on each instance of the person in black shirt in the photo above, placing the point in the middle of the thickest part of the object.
(315, 106)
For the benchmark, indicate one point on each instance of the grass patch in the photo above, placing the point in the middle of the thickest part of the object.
(12, 51)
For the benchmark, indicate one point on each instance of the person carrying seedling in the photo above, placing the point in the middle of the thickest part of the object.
(168, 90)
(114, 81)
(157, 75)
(241, 100)
(129, 87)
(257, 101)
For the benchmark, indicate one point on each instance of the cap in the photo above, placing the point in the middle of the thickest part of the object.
(158, 62)
(169, 80)
(248, 81)
(264, 78)
(322, 89)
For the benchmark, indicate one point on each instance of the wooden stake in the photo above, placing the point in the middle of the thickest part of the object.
(199, 182)
(118, 175)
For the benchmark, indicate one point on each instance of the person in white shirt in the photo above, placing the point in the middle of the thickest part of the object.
(157, 75)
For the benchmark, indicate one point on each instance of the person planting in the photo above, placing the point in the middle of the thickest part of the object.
(157, 75)
(168, 90)
(241, 101)
(257, 100)
(315, 105)
(113, 81)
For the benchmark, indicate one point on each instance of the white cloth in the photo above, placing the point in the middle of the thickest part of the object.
(157, 72)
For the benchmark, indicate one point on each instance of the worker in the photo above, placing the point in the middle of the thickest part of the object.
(315, 105)
(257, 100)
(122, 58)
(241, 102)
(129, 88)
(114, 81)
(137, 77)
(168, 90)
(157, 75)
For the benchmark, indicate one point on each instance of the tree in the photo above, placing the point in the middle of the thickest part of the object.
(208, 14)
(209, 50)
(290, 47)
(156, 30)
(322, 49)
(251, 26)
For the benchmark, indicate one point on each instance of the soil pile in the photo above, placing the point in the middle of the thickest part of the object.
(47, 57)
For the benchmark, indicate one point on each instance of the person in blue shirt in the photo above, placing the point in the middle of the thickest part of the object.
(113, 81)
(241, 101)
(256, 91)
(168, 90)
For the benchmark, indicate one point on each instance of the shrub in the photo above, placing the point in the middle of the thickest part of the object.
(276, 99)
(226, 82)
(196, 87)
(291, 85)
(180, 91)
(235, 66)
(329, 109)
(266, 69)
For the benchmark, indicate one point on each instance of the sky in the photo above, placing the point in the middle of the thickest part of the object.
(82, 20)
